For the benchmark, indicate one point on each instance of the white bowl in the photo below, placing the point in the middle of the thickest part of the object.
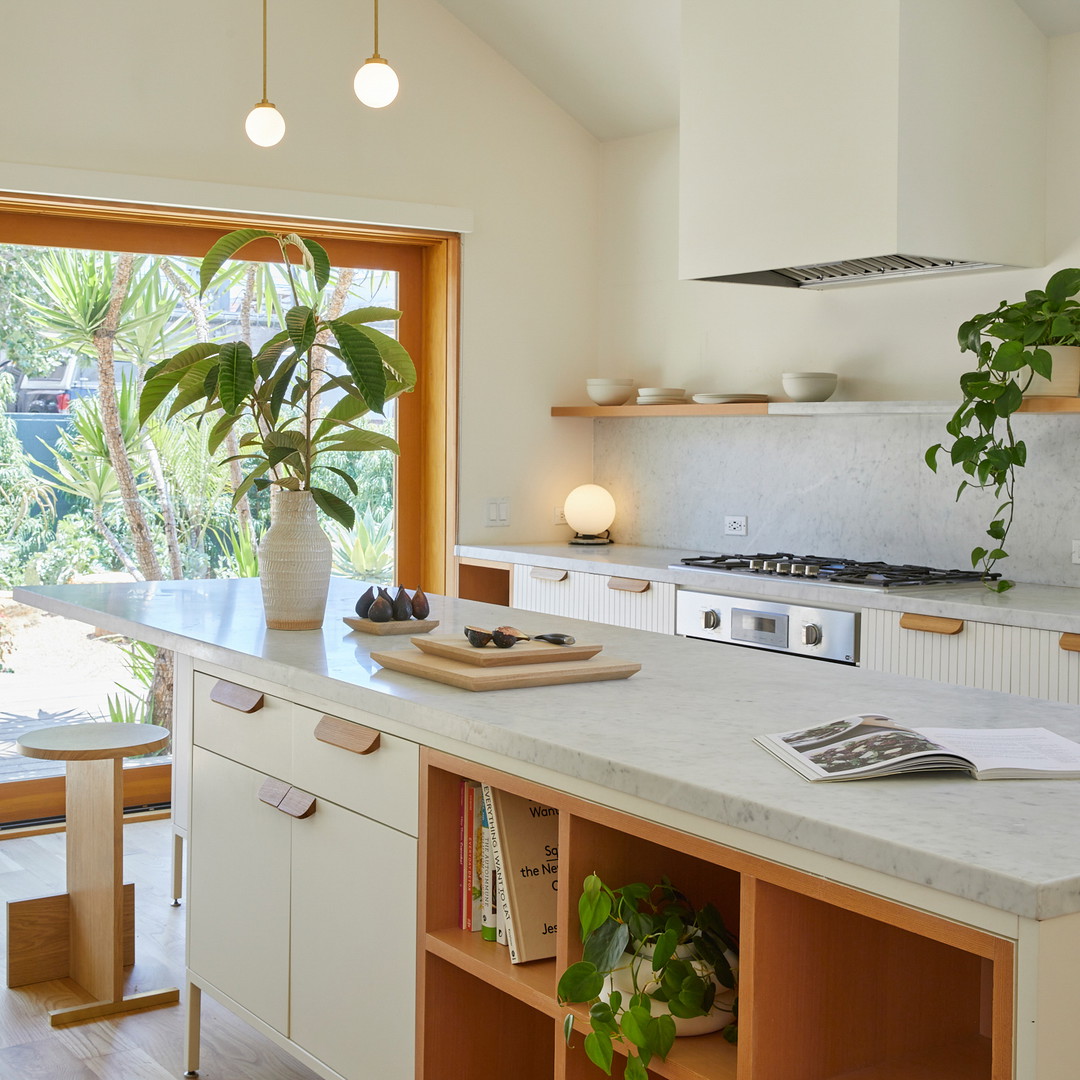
(609, 382)
(609, 393)
(809, 385)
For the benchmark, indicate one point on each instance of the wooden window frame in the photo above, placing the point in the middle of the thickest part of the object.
(429, 299)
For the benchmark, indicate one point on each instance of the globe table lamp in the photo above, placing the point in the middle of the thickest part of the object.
(589, 511)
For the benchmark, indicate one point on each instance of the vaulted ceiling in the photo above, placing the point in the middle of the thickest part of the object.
(614, 64)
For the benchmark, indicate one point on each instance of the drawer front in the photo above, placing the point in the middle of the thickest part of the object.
(334, 757)
(260, 739)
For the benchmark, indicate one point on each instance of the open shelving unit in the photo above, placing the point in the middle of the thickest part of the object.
(835, 984)
(1043, 405)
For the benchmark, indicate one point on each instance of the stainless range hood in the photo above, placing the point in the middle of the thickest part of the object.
(822, 143)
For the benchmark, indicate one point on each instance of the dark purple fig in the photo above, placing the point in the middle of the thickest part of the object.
(364, 603)
(386, 596)
(506, 637)
(381, 610)
(477, 638)
(403, 608)
(421, 609)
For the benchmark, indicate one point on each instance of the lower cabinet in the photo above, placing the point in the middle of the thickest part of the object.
(301, 910)
(637, 603)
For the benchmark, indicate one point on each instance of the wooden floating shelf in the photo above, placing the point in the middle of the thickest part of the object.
(1042, 405)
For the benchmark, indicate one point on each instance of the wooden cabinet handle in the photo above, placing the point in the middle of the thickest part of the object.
(543, 573)
(627, 584)
(1069, 642)
(932, 624)
(352, 737)
(232, 696)
(288, 800)
(272, 791)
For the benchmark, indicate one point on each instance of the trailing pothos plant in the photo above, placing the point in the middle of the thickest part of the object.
(666, 944)
(274, 396)
(1009, 344)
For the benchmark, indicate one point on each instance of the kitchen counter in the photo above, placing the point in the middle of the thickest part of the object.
(1042, 607)
(678, 734)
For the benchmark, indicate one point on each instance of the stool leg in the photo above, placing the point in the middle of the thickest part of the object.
(94, 875)
(192, 1030)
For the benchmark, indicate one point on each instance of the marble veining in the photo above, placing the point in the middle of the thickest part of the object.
(678, 734)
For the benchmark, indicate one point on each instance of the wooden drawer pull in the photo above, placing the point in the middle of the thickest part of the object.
(272, 791)
(241, 698)
(352, 737)
(932, 624)
(543, 573)
(628, 584)
(297, 803)
(1069, 642)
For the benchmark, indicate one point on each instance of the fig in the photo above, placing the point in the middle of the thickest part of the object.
(381, 610)
(477, 638)
(506, 637)
(364, 603)
(403, 608)
(421, 609)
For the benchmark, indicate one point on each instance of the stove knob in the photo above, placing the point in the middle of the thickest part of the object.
(811, 634)
(710, 619)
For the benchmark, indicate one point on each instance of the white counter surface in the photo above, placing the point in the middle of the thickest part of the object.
(679, 733)
(1041, 607)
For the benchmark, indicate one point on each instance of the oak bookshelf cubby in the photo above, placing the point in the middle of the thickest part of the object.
(835, 984)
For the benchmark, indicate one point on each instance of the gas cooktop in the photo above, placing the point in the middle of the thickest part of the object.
(827, 570)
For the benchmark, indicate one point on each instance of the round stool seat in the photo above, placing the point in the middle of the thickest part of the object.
(92, 741)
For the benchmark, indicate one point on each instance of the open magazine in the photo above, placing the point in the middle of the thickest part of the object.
(854, 747)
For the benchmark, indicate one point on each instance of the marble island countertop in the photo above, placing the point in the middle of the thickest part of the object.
(678, 734)
(1042, 607)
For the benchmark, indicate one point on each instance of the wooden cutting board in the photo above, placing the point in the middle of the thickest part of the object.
(469, 677)
(403, 626)
(524, 652)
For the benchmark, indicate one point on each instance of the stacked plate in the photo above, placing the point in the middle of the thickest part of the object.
(660, 395)
(729, 399)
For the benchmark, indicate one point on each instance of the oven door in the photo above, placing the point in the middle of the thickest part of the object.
(819, 633)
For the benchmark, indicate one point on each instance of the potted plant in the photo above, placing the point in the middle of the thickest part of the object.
(653, 967)
(1013, 346)
(274, 398)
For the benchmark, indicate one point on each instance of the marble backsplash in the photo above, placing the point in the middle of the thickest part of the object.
(851, 486)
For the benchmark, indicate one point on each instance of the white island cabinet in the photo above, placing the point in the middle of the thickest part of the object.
(911, 928)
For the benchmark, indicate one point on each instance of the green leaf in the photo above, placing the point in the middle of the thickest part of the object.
(633, 1023)
(370, 315)
(580, 982)
(300, 322)
(606, 945)
(279, 387)
(278, 455)
(1042, 363)
(394, 355)
(635, 1069)
(364, 363)
(220, 431)
(1010, 400)
(224, 249)
(930, 457)
(977, 555)
(236, 376)
(342, 411)
(267, 357)
(193, 385)
(358, 440)
(568, 1027)
(1063, 284)
(664, 948)
(320, 262)
(664, 1036)
(1010, 356)
(334, 507)
(252, 478)
(599, 1050)
(350, 483)
(183, 359)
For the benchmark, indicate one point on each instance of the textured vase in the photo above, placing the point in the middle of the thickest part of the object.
(294, 564)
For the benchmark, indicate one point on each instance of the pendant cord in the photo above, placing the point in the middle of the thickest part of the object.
(376, 26)
(264, 50)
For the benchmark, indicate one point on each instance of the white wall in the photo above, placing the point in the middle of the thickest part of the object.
(892, 340)
(153, 95)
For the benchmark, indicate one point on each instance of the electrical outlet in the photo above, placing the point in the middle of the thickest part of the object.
(558, 516)
(1076, 551)
(734, 526)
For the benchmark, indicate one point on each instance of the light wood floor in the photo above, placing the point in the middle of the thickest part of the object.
(139, 1046)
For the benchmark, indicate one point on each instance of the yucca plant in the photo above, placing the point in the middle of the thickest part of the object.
(275, 396)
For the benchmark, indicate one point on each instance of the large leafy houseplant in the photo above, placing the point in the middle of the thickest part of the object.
(1010, 345)
(667, 949)
(274, 396)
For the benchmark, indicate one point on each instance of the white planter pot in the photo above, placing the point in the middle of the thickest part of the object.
(719, 1016)
(294, 564)
(1065, 380)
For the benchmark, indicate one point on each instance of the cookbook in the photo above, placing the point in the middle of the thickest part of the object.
(867, 745)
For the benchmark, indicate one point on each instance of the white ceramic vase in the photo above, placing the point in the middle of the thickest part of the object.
(294, 564)
(719, 1016)
(1065, 377)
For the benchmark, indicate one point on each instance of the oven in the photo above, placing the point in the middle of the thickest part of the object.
(815, 632)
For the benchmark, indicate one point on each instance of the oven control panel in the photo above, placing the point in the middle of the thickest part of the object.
(821, 633)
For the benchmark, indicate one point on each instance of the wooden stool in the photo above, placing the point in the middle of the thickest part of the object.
(81, 933)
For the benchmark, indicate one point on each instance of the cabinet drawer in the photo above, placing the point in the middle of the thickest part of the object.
(328, 758)
(259, 738)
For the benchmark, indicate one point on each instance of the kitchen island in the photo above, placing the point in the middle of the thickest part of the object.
(670, 749)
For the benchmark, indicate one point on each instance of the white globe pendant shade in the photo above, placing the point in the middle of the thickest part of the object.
(264, 125)
(376, 83)
(589, 510)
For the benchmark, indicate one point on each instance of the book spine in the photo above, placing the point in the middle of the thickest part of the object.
(467, 868)
(487, 895)
(463, 856)
(476, 878)
(501, 896)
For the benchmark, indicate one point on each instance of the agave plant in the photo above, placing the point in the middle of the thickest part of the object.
(366, 551)
(275, 396)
